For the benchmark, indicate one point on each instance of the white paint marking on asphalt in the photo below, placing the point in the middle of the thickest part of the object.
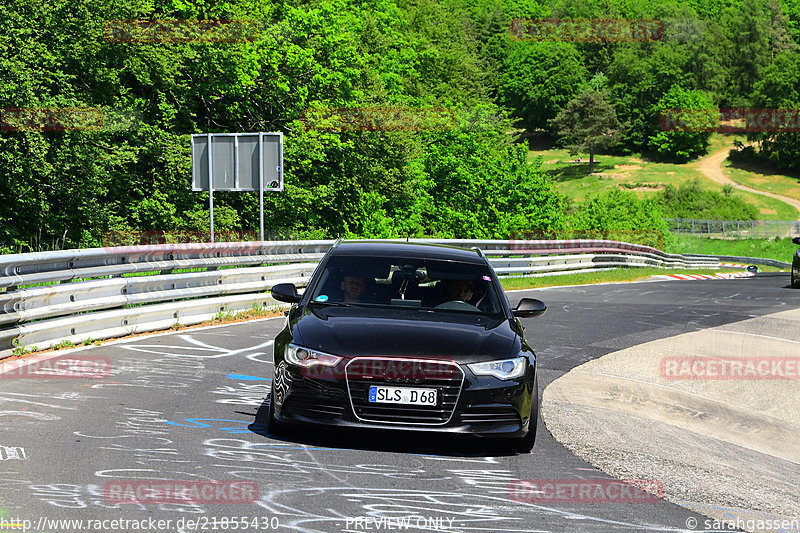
(8, 453)
(30, 414)
(482, 460)
(255, 356)
(758, 335)
(194, 345)
(5, 399)
(327, 471)
(6, 366)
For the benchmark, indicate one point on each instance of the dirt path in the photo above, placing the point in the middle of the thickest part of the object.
(711, 166)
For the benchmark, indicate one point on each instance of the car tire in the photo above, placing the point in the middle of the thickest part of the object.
(525, 444)
(795, 282)
(273, 426)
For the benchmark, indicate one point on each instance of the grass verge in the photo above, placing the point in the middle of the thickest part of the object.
(764, 180)
(778, 249)
(605, 276)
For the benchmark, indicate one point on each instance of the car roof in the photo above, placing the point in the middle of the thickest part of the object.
(407, 249)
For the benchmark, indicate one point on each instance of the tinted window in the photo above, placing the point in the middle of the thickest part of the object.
(398, 282)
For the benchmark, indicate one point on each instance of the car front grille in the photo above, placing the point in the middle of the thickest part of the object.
(315, 399)
(447, 383)
(490, 414)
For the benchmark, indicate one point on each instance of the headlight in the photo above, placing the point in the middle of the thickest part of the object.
(305, 357)
(503, 369)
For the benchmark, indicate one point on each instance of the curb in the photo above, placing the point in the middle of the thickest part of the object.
(719, 275)
(728, 449)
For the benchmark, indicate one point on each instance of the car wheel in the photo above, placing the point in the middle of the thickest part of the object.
(795, 281)
(525, 444)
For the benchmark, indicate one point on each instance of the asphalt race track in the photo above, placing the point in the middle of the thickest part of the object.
(188, 406)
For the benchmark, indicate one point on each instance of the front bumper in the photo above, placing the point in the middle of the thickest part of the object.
(479, 405)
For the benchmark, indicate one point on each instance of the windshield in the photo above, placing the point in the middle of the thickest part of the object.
(404, 282)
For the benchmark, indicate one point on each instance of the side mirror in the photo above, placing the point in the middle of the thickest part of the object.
(796, 240)
(528, 308)
(285, 292)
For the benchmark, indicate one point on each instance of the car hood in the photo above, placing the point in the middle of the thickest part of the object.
(354, 332)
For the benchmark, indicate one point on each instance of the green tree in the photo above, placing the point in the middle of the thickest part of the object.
(638, 77)
(780, 39)
(539, 79)
(588, 122)
(779, 88)
(748, 31)
(688, 115)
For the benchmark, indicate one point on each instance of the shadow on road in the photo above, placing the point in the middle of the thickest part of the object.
(380, 440)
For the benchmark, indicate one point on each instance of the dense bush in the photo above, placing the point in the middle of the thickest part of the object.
(691, 200)
(621, 215)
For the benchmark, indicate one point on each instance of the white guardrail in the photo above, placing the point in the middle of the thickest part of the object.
(48, 298)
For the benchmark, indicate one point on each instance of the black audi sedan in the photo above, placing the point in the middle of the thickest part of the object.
(406, 336)
(796, 265)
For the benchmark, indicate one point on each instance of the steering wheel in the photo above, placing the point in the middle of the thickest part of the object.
(457, 305)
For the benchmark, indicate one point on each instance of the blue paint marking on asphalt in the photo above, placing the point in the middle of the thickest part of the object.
(243, 377)
(197, 423)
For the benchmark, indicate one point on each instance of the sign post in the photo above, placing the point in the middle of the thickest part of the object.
(237, 162)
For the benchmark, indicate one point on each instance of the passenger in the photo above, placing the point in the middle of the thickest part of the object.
(460, 290)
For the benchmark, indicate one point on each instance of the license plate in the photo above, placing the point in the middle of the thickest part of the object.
(402, 395)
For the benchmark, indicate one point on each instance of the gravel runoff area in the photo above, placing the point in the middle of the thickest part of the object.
(727, 448)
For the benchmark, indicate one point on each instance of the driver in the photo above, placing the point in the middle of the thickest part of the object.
(353, 287)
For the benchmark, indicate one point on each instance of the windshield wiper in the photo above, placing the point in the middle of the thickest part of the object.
(331, 304)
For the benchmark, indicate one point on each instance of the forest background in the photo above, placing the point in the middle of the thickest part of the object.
(471, 179)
